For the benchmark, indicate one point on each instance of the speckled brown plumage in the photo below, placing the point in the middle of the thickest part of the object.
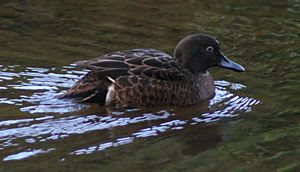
(148, 77)
(146, 91)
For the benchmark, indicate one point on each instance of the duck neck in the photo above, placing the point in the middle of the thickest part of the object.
(206, 84)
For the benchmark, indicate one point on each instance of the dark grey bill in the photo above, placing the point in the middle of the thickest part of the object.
(228, 64)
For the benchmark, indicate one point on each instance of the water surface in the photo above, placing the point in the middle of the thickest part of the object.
(251, 124)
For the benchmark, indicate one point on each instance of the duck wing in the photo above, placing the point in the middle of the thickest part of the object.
(90, 88)
(142, 62)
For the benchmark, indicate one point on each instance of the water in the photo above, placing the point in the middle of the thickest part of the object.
(252, 124)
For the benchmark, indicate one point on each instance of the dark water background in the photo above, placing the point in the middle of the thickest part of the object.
(252, 124)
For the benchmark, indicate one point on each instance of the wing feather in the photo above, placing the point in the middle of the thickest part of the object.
(144, 62)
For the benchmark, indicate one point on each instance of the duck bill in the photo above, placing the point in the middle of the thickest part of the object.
(228, 64)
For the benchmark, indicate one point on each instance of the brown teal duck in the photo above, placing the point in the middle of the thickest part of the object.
(148, 77)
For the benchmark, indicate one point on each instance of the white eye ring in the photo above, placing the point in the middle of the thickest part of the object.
(210, 49)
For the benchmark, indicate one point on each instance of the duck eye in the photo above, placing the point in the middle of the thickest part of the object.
(210, 49)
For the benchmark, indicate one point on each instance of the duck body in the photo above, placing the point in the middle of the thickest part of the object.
(148, 77)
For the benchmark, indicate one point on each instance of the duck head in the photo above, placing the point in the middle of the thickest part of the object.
(200, 52)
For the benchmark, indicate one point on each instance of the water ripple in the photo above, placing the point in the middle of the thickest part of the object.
(46, 84)
(26, 154)
(40, 87)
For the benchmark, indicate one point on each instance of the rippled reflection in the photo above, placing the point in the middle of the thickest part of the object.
(26, 154)
(39, 90)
